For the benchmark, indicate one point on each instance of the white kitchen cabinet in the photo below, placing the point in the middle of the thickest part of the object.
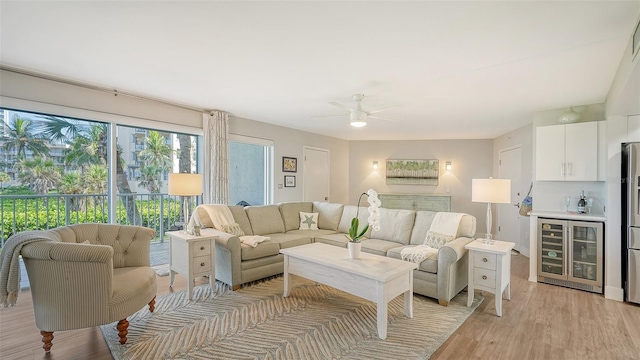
(567, 152)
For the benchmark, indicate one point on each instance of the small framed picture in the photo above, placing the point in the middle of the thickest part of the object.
(289, 181)
(289, 164)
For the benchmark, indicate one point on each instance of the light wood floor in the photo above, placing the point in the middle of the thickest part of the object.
(540, 322)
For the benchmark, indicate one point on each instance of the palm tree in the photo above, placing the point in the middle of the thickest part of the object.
(66, 130)
(20, 135)
(95, 181)
(40, 174)
(157, 155)
(70, 183)
(149, 178)
(4, 178)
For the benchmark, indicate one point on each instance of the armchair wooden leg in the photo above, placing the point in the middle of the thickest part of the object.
(152, 304)
(443, 303)
(47, 338)
(235, 287)
(122, 327)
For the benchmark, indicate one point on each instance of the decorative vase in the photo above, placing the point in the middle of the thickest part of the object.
(354, 250)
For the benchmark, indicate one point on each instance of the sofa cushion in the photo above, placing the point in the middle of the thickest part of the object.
(430, 264)
(290, 240)
(240, 217)
(328, 214)
(265, 219)
(308, 221)
(348, 213)
(467, 226)
(378, 247)
(290, 212)
(421, 225)
(312, 233)
(333, 239)
(395, 225)
(265, 248)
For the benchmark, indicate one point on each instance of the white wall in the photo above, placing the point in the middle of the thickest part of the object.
(470, 159)
(289, 142)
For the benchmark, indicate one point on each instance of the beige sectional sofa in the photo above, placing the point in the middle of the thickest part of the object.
(440, 277)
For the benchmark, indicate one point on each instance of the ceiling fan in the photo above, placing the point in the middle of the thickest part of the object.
(358, 116)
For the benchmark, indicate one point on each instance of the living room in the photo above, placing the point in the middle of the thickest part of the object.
(473, 150)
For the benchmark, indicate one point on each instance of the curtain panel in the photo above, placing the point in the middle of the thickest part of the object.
(216, 157)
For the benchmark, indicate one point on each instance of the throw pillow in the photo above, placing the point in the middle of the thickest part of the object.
(436, 240)
(308, 221)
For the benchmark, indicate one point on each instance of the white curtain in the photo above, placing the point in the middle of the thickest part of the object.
(216, 157)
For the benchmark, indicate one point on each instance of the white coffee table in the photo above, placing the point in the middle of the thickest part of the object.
(372, 277)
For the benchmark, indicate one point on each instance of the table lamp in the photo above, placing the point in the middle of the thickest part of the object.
(185, 185)
(497, 191)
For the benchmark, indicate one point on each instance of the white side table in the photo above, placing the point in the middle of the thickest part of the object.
(192, 256)
(490, 270)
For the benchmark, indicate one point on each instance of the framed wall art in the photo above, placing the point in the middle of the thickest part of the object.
(289, 164)
(412, 172)
(289, 181)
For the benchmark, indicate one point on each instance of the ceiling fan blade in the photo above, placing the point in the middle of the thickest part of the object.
(383, 109)
(321, 116)
(341, 106)
(379, 118)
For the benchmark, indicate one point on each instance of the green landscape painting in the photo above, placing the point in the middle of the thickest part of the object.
(412, 172)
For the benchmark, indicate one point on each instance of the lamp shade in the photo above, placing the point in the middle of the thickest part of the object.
(496, 191)
(185, 184)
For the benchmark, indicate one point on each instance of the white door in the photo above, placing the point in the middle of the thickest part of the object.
(509, 224)
(315, 174)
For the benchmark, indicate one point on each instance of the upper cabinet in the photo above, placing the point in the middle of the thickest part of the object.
(567, 152)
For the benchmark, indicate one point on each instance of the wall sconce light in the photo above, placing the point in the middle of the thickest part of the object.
(448, 165)
(375, 165)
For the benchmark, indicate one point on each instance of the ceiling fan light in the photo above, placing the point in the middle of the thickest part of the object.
(358, 118)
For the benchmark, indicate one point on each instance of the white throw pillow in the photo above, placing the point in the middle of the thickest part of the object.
(308, 221)
(436, 240)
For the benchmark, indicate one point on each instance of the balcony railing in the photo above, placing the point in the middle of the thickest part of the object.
(40, 212)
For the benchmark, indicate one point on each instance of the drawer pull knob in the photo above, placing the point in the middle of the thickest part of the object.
(484, 277)
(201, 247)
(485, 259)
(201, 264)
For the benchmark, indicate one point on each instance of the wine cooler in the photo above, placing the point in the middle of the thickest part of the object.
(570, 254)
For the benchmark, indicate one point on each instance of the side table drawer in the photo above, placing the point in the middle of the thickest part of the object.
(485, 278)
(201, 248)
(484, 260)
(201, 264)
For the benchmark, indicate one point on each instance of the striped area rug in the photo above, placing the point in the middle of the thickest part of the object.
(256, 322)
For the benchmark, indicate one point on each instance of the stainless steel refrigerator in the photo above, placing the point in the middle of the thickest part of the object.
(631, 222)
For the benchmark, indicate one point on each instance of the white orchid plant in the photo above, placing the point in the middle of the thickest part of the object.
(373, 220)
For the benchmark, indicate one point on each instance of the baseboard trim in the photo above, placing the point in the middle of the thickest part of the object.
(614, 293)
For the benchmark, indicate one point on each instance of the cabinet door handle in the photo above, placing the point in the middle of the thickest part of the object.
(485, 259)
(201, 264)
(562, 169)
(570, 168)
(201, 247)
(484, 277)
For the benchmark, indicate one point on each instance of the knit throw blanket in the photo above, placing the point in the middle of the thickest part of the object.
(442, 230)
(220, 218)
(10, 263)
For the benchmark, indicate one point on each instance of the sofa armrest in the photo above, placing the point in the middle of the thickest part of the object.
(453, 263)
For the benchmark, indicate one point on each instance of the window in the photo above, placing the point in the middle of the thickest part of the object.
(250, 170)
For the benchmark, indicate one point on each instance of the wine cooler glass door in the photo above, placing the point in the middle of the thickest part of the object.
(552, 249)
(586, 259)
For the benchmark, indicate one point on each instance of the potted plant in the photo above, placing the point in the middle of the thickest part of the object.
(373, 221)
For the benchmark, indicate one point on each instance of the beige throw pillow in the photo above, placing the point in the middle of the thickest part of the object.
(308, 221)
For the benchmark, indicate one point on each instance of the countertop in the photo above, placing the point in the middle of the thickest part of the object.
(568, 215)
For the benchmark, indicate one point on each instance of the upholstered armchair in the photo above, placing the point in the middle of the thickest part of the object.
(88, 275)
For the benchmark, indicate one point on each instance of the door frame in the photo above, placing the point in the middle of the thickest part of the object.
(520, 242)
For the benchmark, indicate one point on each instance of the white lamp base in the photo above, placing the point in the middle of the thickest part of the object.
(488, 238)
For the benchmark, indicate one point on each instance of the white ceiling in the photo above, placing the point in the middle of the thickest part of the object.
(457, 70)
